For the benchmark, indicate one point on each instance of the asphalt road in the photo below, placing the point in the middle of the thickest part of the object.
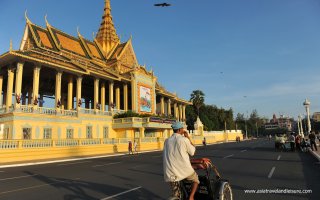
(249, 165)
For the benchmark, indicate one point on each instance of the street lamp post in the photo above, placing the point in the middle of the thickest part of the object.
(246, 125)
(306, 104)
(300, 126)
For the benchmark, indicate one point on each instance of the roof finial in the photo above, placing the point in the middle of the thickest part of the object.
(78, 32)
(45, 18)
(26, 16)
(11, 45)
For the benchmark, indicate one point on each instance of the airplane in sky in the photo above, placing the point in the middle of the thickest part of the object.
(162, 4)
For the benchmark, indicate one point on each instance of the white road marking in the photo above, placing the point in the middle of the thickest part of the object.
(243, 151)
(36, 186)
(228, 156)
(137, 188)
(271, 172)
(106, 164)
(17, 177)
(279, 157)
(73, 163)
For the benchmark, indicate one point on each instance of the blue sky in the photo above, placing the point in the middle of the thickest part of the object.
(244, 54)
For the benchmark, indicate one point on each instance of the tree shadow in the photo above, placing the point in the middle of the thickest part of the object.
(81, 189)
(146, 172)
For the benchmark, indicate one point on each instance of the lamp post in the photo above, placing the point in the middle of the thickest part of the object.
(300, 126)
(306, 104)
(245, 122)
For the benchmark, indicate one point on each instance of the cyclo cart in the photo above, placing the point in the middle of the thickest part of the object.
(211, 187)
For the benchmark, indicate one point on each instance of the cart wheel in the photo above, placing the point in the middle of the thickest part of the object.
(225, 191)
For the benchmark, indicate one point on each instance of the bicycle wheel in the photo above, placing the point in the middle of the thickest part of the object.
(225, 191)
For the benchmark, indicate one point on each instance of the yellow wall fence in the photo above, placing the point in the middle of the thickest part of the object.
(20, 151)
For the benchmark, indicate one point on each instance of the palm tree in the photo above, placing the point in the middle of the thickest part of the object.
(197, 98)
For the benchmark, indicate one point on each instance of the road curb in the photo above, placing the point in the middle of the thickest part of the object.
(314, 154)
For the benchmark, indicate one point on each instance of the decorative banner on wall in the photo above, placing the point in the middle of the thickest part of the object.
(145, 99)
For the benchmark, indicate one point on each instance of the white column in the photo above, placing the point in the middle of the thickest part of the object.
(1, 84)
(70, 93)
(162, 105)
(125, 97)
(9, 89)
(180, 112)
(36, 77)
(184, 113)
(103, 96)
(110, 95)
(175, 112)
(96, 93)
(79, 87)
(118, 105)
(134, 95)
(58, 100)
(169, 107)
(18, 84)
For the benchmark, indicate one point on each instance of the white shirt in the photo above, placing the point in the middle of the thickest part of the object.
(176, 161)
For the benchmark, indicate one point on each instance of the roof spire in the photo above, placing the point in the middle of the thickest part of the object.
(10, 45)
(107, 36)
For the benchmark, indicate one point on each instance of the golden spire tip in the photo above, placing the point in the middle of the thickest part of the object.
(10, 45)
(26, 16)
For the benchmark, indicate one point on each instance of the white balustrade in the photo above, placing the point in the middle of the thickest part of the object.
(108, 141)
(124, 140)
(67, 143)
(149, 140)
(47, 111)
(37, 143)
(8, 144)
(70, 113)
(90, 142)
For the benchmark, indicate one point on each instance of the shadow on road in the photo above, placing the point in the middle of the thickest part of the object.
(311, 174)
(85, 190)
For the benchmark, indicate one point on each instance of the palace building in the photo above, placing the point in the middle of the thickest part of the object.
(88, 81)
(60, 96)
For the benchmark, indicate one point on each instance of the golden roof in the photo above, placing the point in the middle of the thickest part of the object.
(107, 36)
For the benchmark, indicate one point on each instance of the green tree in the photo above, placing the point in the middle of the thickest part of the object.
(197, 98)
(191, 116)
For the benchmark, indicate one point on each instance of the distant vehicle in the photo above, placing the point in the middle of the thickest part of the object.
(162, 4)
(280, 142)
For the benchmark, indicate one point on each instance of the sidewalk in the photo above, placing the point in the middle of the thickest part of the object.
(316, 153)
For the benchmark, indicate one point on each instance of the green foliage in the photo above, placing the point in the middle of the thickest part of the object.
(212, 117)
(197, 98)
(126, 114)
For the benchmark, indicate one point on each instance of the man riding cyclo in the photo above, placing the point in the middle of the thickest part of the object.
(176, 161)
